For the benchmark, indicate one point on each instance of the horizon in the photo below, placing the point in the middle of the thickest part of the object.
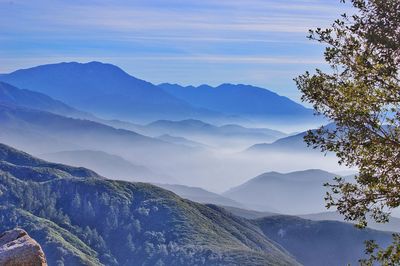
(261, 43)
(158, 84)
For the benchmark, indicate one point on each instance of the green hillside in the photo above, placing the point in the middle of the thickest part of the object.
(81, 218)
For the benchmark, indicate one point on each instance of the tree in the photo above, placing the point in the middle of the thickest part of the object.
(361, 95)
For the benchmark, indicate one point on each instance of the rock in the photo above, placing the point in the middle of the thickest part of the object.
(17, 248)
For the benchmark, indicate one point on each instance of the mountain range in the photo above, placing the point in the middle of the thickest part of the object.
(242, 100)
(192, 126)
(27, 116)
(32, 127)
(21, 125)
(40, 124)
(103, 89)
(199, 131)
(12, 95)
(108, 91)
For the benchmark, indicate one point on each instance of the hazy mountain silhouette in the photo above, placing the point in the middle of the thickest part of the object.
(209, 134)
(242, 100)
(200, 195)
(248, 213)
(107, 90)
(196, 126)
(44, 132)
(104, 89)
(181, 141)
(11, 95)
(106, 164)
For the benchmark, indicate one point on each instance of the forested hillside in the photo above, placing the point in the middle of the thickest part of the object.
(80, 218)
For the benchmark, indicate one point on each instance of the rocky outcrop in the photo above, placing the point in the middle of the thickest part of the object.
(17, 248)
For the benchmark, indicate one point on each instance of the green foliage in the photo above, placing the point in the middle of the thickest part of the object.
(361, 95)
(387, 257)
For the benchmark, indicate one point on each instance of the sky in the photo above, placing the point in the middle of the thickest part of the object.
(190, 42)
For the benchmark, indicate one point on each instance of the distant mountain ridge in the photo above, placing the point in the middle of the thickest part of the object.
(106, 164)
(107, 90)
(209, 134)
(238, 99)
(200, 195)
(104, 89)
(181, 141)
(197, 126)
(11, 95)
(43, 132)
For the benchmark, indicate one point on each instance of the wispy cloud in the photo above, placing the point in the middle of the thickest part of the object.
(253, 16)
(236, 59)
(173, 35)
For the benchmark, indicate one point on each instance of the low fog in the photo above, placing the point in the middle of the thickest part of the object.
(220, 160)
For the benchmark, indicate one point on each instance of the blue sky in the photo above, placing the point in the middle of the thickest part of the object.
(258, 42)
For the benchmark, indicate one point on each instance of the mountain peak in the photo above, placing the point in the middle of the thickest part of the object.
(104, 89)
(73, 65)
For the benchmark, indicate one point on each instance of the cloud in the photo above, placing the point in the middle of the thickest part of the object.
(237, 15)
(236, 59)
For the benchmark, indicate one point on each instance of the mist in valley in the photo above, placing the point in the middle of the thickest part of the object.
(195, 153)
(214, 158)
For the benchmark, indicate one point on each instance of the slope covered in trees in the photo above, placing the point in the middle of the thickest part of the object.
(80, 218)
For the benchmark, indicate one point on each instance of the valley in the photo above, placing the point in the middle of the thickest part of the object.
(225, 188)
